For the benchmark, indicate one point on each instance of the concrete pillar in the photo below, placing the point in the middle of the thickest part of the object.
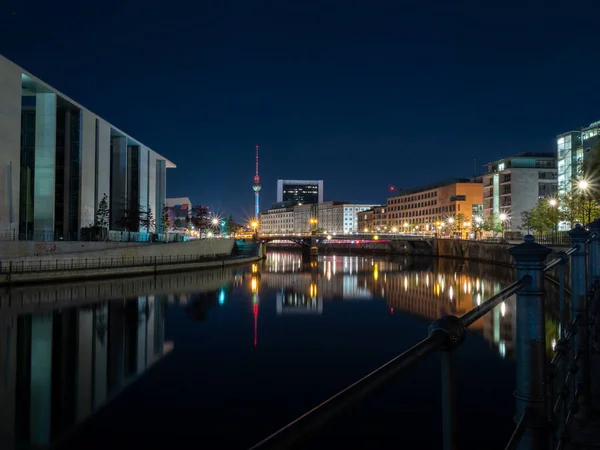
(161, 188)
(45, 162)
(102, 160)
(579, 310)
(100, 337)
(10, 143)
(531, 342)
(8, 380)
(87, 193)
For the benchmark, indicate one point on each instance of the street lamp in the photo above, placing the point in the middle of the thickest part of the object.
(313, 223)
(394, 230)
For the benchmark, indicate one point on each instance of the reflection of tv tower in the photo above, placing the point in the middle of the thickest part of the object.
(256, 188)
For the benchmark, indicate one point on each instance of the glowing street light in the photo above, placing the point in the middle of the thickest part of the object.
(552, 202)
(503, 217)
(215, 221)
(583, 185)
(394, 230)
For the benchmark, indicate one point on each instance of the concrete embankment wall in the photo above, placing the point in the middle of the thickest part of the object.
(198, 247)
(54, 276)
(20, 249)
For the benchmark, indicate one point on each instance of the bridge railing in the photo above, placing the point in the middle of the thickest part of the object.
(548, 393)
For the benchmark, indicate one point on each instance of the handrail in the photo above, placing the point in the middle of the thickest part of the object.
(310, 420)
(478, 312)
(515, 439)
(317, 416)
(562, 258)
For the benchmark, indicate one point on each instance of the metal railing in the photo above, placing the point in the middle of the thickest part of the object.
(548, 394)
(47, 264)
(112, 236)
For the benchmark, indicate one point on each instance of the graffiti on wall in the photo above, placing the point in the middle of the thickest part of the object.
(45, 249)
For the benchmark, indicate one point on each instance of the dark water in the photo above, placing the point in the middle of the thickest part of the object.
(220, 359)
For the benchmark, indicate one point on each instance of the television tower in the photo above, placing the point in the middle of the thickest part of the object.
(256, 189)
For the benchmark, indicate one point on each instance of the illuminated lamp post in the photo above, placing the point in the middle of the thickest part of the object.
(313, 225)
(254, 225)
(503, 217)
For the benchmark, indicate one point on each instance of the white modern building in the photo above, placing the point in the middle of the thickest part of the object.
(299, 192)
(514, 185)
(58, 160)
(572, 149)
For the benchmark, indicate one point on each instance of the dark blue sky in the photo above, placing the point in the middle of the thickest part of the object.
(362, 94)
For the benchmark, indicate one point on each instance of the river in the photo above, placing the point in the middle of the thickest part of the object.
(220, 359)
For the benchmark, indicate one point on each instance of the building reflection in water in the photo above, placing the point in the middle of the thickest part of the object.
(426, 288)
(57, 367)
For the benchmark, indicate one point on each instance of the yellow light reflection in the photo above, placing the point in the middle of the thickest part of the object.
(376, 272)
(254, 285)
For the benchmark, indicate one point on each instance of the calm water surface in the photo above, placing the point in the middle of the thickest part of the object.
(220, 359)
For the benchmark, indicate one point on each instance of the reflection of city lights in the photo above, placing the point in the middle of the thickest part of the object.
(451, 293)
(254, 285)
(254, 268)
(478, 299)
(553, 344)
(502, 348)
(405, 283)
(313, 290)
(502, 309)
(221, 297)
(376, 272)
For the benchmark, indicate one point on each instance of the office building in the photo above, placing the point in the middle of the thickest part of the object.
(365, 220)
(300, 192)
(572, 149)
(58, 160)
(424, 208)
(514, 185)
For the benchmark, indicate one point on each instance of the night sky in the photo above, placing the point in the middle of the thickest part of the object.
(360, 94)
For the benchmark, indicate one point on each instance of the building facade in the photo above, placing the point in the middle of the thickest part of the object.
(424, 208)
(365, 220)
(514, 185)
(572, 149)
(179, 210)
(330, 217)
(277, 220)
(300, 192)
(58, 160)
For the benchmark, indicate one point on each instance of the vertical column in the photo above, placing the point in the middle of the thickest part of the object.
(118, 188)
(531, 342)
(10, 143)
(594, 274)
(579, 310)
(161, 186)
(45, 161)
(88, 182)
(103, 159)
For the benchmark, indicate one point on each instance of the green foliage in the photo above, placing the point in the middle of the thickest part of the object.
(493, 224)
(542, 218)
(102, 213)
(200, 218)
(578, 207)
(146, 219)
(166, 220)
(590, 171)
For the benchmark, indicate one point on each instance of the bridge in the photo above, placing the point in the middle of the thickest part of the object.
(311, 242)
(557, 397)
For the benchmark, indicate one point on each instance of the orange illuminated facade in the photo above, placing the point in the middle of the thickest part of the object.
(427, 208)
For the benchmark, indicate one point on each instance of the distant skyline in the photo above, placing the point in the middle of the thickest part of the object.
(363, 95)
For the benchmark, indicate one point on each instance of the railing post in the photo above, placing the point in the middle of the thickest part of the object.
(531, 344)
(579, 310)
(454, 330)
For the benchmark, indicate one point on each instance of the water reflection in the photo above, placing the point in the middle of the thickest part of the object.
(426, 288)
(57, 367)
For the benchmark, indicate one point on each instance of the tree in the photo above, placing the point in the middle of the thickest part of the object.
(542, 218)
(590, 171)
(146, 219)
(166, 220)
(493, 224)
(102, 213)
(578, 207)
(200, 218)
